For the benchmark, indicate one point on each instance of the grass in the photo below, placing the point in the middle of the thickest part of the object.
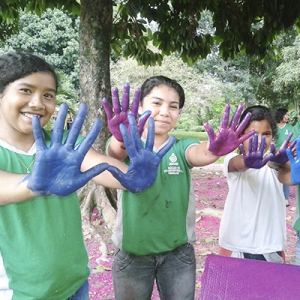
(200, 136)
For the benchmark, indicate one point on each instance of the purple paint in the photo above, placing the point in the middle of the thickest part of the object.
(228, 278)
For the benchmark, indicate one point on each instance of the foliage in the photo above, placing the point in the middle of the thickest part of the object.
(54, 36)
(288, 73)
(180, 25)
(200, 136)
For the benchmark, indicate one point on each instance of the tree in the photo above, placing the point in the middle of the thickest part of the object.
(248, 26)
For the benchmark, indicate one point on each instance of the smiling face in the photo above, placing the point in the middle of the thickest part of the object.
(21, 100)
(262, 127)
(163, 102)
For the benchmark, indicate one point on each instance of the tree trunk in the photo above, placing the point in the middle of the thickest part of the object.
(94, 48)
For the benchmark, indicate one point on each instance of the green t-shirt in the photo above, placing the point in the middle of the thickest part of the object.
(162, 217)
(41, 242)
(283, 132)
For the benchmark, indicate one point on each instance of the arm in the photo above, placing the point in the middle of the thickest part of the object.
(221, 143)
(69, 168)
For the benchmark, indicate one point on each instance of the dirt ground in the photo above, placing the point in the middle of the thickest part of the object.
(211, 190)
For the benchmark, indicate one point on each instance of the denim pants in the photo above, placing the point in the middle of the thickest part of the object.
(82, 293)
(286, 191)
(297, 254)
(174, 273)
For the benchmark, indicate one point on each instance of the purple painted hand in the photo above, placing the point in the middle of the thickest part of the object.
(228, 137)
(143, 162)
(57, 168)
(117, 115)
(280, 156)
(255, 158)
(293, 154)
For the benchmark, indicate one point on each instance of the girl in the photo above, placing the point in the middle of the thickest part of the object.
(42, 253)
(154, 233)
(253, 223)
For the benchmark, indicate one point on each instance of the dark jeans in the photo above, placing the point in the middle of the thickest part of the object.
(258, 256)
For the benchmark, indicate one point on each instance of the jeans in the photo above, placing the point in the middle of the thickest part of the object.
(286, 191)
(297, 254)
(173, 271)
(82, 293)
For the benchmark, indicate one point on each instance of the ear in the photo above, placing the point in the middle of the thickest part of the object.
(140, 111)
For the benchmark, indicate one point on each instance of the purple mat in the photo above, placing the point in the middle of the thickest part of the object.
(227, 278)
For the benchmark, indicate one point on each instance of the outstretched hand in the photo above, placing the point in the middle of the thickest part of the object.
(293, 155)
(280, 156)
(117, 114)
(57, 168)
(143, 162)
(255, 158)
(228, 137)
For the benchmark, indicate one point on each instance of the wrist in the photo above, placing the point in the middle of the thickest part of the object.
(275, 165)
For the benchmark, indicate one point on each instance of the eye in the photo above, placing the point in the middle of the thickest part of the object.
(25, 90)
(49, 96)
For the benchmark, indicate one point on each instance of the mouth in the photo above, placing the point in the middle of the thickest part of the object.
(30, 116)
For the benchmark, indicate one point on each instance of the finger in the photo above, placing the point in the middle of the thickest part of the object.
(131, 150)
(59, 124)
(119, 175)
(115, 100)
(107, 109)
(246, 136)
(242, 149)
(92, 172)
(236, 116)
(255, 144)
(250, 144)
(150, 135)
(136, 102)
(272, 148)
(287, 140)
(136, 139)
(290, 156)
(225, 117)
(210, 132)
(293, 143)
(242, 126)
(166, 148)
(262, 145)
(125, 97)
(90, 138)
(38, 134)
(268, 158)
(142, 121)
(77, 125)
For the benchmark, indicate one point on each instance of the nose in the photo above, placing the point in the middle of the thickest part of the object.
(164, 110)
(36, 101)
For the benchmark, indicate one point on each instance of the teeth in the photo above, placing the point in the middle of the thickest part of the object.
(29, 115)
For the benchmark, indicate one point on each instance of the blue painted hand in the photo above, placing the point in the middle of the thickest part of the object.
(57, 168)
(293, 155)
(143, 162)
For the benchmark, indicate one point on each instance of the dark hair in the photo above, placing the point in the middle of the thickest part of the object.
(155, 81)
(279, 114)
(259, 113)
(14, 66)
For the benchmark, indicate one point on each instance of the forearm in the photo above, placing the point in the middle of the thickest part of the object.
(116, 149)
(237, 164)
(284, 174)
(14, 188)
(199, 155)
(105, 178)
